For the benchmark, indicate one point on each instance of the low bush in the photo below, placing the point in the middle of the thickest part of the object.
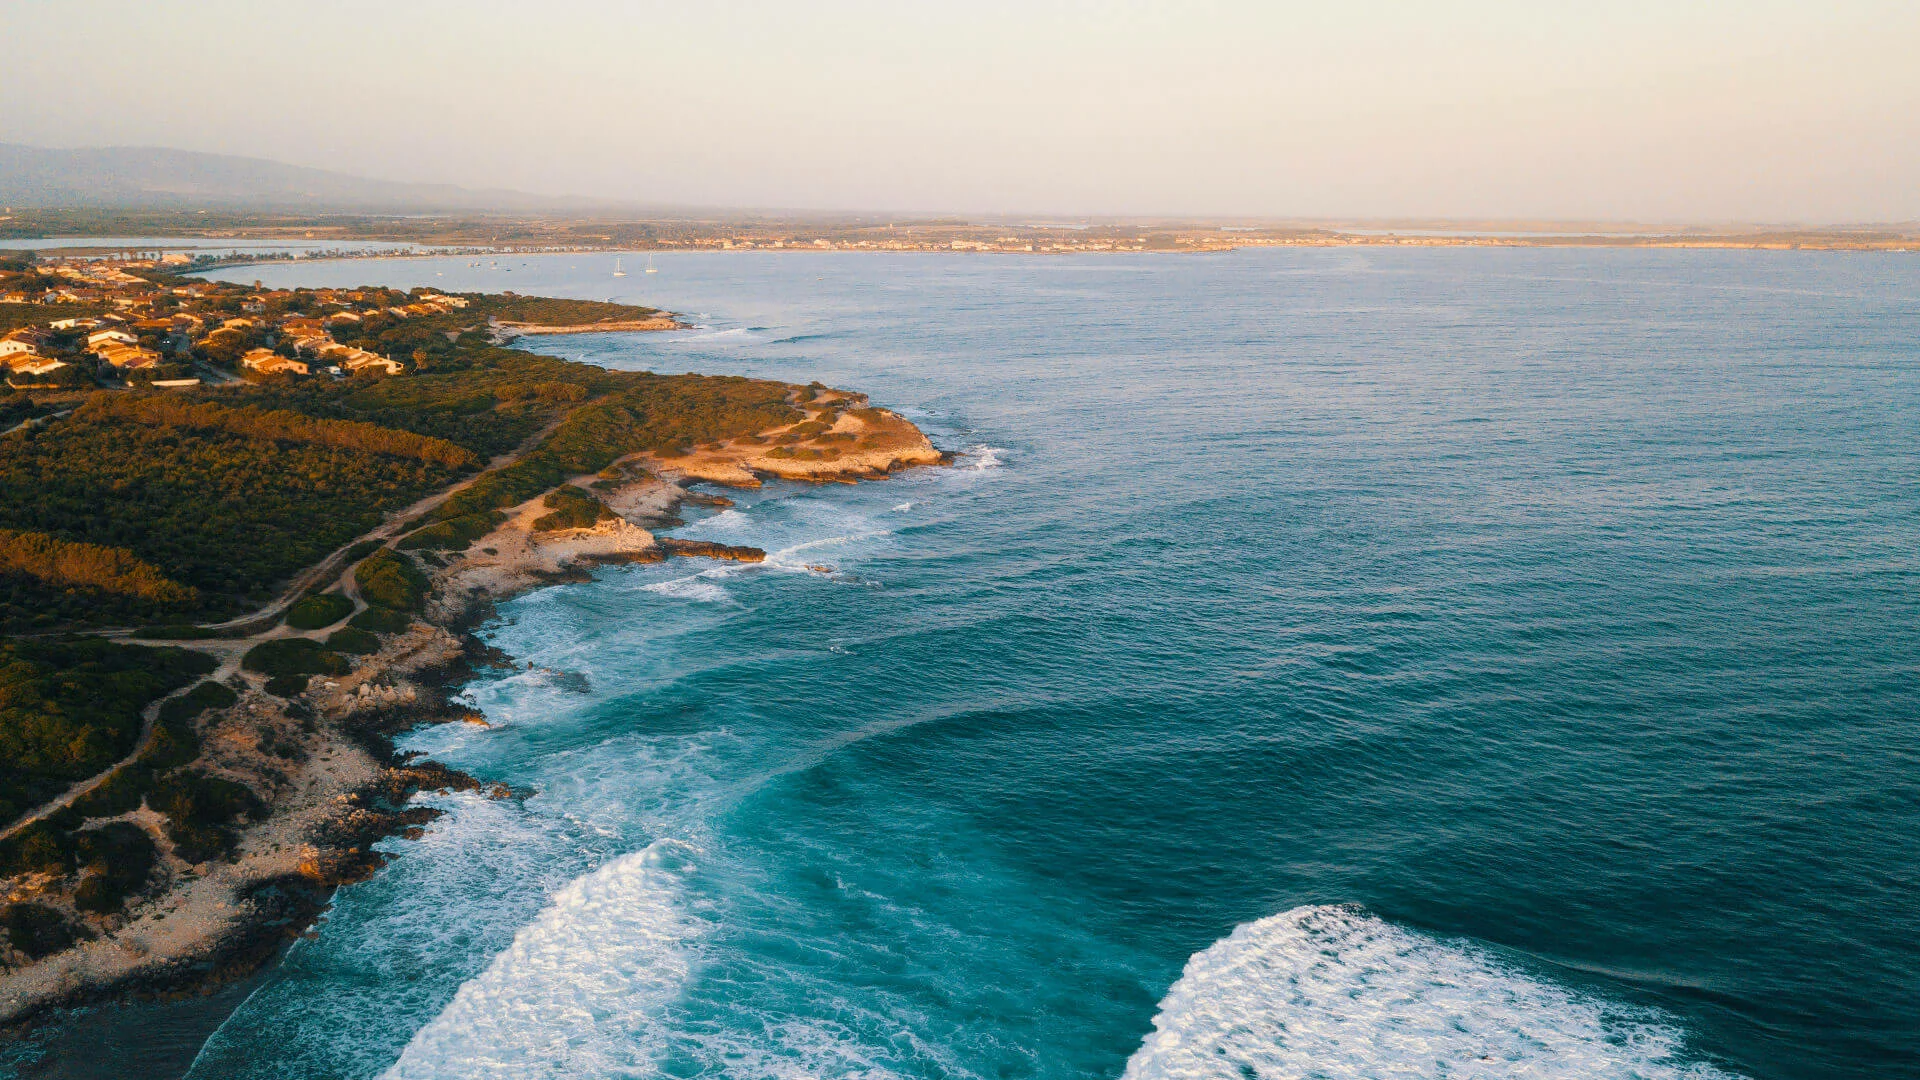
(363, 549)
(390, 580)
(287, 686)
(381, 620)
(198, 807)
(353, 640)
(116, 859)
(453, 534)
(321, 609)
(572, 509)
(293, 656)
(35, 929)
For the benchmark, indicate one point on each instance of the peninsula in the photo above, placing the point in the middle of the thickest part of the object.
(243, 536)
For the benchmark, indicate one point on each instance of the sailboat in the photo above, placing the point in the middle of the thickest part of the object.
(617, 272)
(650, 268)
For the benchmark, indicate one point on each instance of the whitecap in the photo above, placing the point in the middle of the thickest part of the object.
(903, 507)
(784, 557)
(982, 458)
(1334, 991)
(728, 520)
(579, 991)
(707, 334)
(693, 587)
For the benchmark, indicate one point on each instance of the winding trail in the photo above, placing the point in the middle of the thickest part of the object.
(149, 728)
(265, 624)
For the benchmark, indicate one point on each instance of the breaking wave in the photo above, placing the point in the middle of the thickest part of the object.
(1334, 991)
(982, 458)
(579, 991)
(692, 587)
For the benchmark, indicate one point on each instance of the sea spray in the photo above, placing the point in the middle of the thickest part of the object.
(1334, 991)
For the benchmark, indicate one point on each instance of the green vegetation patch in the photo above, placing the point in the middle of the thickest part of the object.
(572, 509)
(294, 656)
(35, 929)
(389, 579)
(198, 807)
(318, 610)
(454, 534)
(381, 620)
(650, 412)
(102, 578)
(551, 311)
(287, 686)
(352, 640)
(115, 860)
(281, 425)
(70, 708)
(227, 514)
(363, 549)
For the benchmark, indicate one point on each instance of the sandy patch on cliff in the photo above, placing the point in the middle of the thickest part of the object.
(514, 557)
(846, 440)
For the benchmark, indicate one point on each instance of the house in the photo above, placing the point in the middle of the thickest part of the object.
(78, 322)
(357, 360)
(268, 362)
(30, 370)
(237, 324)
(26, 341)
(449, 301)
(313, 341)
(128, 357)
(110, 336)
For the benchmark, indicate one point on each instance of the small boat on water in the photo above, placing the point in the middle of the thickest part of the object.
(617, 271)
(650, 268)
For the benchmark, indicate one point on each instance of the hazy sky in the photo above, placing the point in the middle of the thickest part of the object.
(1676, 110)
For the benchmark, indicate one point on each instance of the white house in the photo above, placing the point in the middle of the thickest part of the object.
(27, 341)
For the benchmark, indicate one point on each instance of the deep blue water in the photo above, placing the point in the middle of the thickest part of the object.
(1516, 647)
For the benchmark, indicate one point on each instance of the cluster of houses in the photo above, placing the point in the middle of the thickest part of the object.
(115, 340)
(142, 332)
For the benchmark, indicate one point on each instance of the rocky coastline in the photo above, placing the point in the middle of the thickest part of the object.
(330, 782)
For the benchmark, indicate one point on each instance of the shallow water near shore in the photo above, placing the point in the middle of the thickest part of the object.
(1431, 663)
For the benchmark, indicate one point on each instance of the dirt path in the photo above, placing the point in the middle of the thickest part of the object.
(265, 624)
(335, 565)
(149, 728)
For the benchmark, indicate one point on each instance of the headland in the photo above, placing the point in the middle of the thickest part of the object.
(230, 763)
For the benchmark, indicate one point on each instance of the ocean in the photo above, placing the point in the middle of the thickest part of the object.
(1327, 663)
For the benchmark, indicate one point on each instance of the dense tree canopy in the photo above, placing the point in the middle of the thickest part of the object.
(70, 708)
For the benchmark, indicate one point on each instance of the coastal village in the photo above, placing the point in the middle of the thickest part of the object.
(83, 324)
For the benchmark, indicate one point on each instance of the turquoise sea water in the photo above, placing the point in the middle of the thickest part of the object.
(1462, 664)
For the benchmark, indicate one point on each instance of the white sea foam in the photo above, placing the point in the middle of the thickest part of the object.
(579, 991)
(982, 458)
(903, 507)
(1335, 992)
(784, 558)
(693, 587)
(707, 335)
(728, 520)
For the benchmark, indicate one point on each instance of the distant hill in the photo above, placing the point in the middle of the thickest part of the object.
(149, 177)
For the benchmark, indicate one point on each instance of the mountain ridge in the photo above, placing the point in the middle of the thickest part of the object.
(158, 177)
